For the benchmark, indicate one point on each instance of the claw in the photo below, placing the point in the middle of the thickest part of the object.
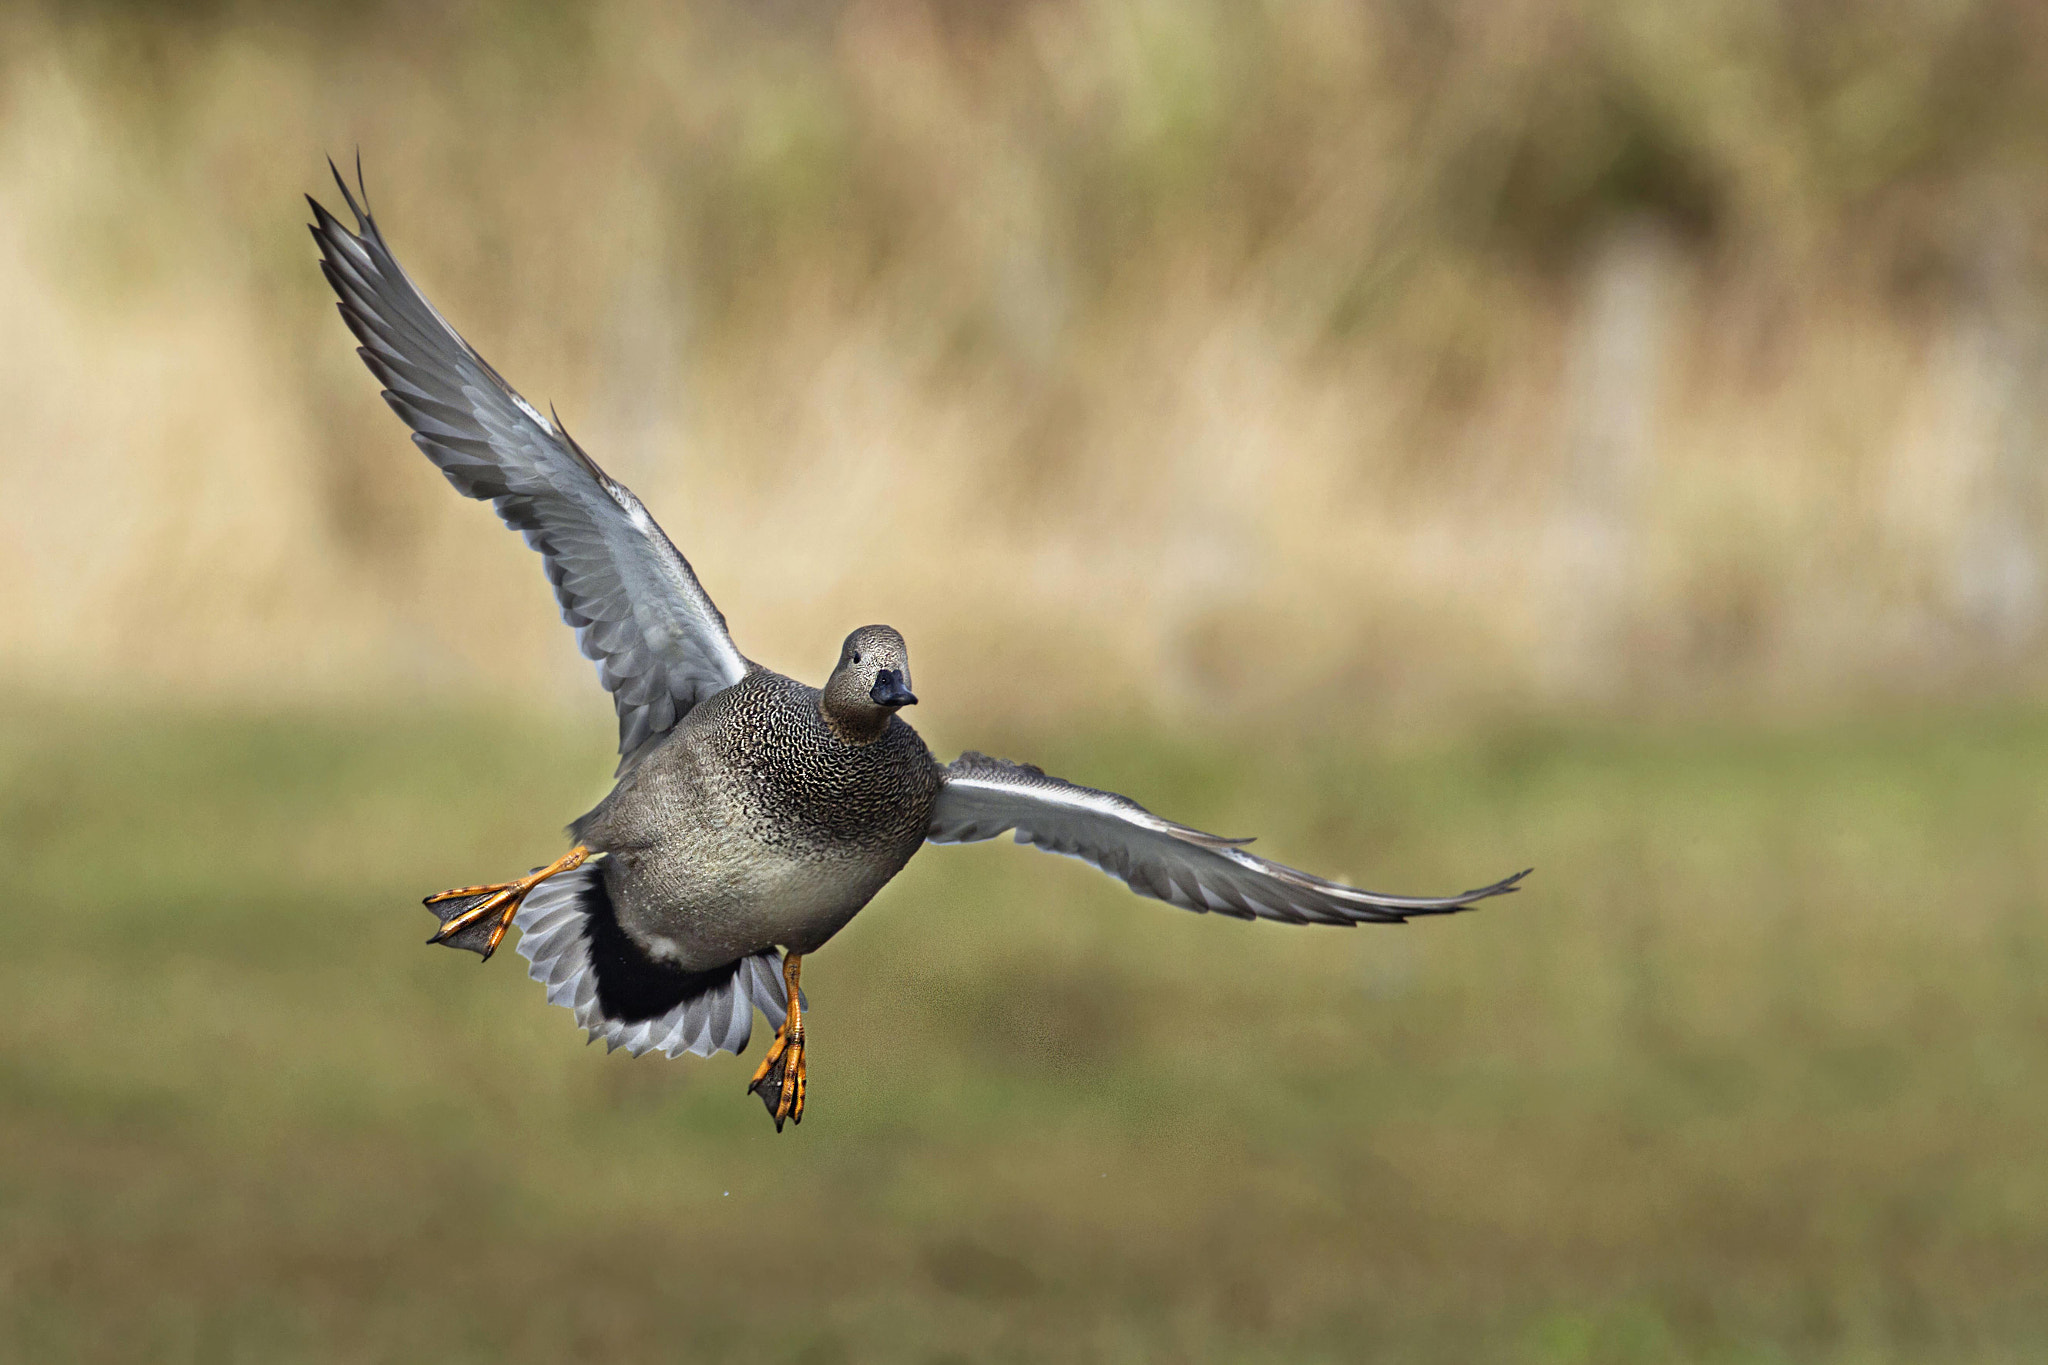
(493, 897)
(500, 898)
(779, 1080)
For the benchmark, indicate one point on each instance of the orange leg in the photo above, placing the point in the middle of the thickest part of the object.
(503, 898)
(782, 1071)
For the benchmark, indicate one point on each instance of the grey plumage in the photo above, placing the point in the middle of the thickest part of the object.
(753, 815)
(753, 826)
(633, 600)
(984, 797)
(707, 1016)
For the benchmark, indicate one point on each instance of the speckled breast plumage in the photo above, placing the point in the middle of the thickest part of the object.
(755, 826)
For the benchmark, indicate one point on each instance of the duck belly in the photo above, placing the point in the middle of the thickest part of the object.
(752, 827)
(745, 897)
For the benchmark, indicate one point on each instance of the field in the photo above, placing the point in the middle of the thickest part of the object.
(1636, 412)
(1752, 1071)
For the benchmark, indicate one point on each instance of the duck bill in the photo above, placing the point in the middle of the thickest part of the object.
(890, 691)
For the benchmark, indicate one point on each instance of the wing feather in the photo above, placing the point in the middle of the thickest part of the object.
(659, 643)
(983, 797)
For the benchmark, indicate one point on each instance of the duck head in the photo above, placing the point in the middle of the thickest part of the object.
(869, 685)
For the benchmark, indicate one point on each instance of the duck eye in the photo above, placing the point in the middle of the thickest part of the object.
(856, 658)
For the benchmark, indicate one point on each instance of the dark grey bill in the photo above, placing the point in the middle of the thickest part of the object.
(890, 691)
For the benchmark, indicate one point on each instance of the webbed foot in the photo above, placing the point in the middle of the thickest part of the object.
(779, 1081)
(476, 917)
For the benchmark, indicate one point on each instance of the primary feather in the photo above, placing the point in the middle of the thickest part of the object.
(983, 797)
(659, 643)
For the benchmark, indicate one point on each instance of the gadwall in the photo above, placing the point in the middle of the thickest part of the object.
(753, 815)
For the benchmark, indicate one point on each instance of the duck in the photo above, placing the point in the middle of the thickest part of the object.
(752, 816)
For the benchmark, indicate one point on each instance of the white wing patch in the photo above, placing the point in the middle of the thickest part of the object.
(982, 797)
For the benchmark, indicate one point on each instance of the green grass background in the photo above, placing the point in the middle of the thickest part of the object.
(1752, 1071)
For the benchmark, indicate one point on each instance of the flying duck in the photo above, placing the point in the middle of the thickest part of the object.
(753, 815)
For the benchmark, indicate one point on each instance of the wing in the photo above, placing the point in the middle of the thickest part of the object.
(983, 797)
(637, 609)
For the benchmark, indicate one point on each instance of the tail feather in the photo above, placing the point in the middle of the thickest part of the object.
(570, 935)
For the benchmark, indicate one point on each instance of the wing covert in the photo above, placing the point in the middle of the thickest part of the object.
(660, 644)
(983, 797)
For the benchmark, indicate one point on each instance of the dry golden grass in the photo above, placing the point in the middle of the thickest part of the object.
(1190, 356)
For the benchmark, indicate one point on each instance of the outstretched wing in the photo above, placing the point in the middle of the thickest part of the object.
(637, 609)
(983, 797)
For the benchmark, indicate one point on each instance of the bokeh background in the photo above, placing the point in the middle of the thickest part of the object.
(1439, 436)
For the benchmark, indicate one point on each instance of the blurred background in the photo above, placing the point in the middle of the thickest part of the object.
(1440, 437)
